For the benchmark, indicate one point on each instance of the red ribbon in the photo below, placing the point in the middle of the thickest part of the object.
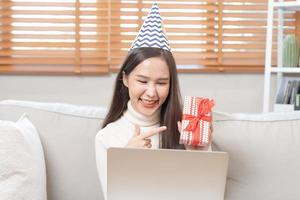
(204, 107)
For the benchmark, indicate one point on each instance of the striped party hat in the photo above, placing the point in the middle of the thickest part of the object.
(152, 32)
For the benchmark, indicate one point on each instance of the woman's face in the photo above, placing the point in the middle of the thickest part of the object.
(148, 85)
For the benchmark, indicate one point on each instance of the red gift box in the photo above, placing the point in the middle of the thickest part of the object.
(196, 121)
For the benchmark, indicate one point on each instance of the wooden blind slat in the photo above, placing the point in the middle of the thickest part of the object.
(254, 23)
(246, 7)
(162, 6)
(100, 37)
(101, 4)
(57, 69)
(52, 61)
(48, 53)
(52, 21)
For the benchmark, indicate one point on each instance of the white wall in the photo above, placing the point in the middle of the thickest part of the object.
(232, 92)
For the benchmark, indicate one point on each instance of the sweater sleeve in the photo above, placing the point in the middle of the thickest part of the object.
(101, 161)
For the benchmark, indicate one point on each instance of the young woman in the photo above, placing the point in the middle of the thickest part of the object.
(146, 105)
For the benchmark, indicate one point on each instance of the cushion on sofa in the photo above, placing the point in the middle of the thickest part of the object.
(264, 151)
(67, 133)
(22, 164)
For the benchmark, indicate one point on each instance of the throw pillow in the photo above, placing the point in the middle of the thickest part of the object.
(22, 164)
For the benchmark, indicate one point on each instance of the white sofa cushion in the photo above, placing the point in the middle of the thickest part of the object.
(264, 151)
(67, 133)
(22, 164)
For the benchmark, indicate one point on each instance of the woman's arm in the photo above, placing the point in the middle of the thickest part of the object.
(101, 160)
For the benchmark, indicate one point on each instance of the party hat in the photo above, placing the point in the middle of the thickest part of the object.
(152, 32)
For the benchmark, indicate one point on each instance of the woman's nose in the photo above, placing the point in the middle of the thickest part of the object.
(151, 91)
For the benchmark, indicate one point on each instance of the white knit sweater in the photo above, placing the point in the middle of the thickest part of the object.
(118, 133)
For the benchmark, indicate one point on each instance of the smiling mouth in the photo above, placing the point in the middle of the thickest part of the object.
(149, 103)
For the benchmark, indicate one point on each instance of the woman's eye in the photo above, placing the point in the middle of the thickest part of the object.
(161, 83)
(142, 81)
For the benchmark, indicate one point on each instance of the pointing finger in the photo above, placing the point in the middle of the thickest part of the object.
(153, 132)
(137, 131)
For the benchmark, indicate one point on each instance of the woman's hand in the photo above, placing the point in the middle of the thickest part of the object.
(143, 141)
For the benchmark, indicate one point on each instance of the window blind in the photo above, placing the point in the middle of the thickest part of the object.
(243, 33)
(208, 35)
(65, 36)
(93, 36)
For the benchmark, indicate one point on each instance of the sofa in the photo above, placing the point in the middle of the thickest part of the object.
(56, 142)
(67, 136)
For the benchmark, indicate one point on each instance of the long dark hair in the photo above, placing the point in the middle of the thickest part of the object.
(171, 109)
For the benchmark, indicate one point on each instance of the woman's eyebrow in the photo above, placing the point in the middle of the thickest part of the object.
(163, 79)
(142, 76)
(159, 79)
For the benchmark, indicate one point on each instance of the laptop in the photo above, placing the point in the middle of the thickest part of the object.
(154, 174)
